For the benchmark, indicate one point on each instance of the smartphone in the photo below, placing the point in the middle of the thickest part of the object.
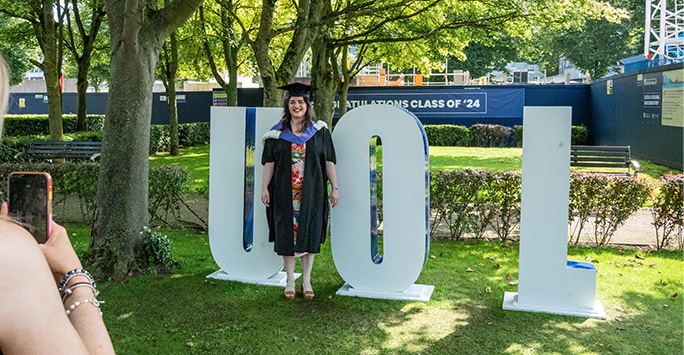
(30, 202)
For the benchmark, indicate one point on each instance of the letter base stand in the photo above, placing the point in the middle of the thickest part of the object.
(416, 292)
(279, 279)
(511, 303)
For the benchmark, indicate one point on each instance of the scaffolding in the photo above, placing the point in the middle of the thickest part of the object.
(664, 31)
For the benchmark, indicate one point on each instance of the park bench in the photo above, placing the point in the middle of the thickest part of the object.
(64, 150)
(614, 157)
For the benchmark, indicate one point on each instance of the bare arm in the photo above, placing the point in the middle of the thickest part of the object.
(33, 318)
(37, 322)
(85, 318)
(331, 171)
(266, 179)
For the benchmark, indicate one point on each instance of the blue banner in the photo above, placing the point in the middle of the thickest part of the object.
(444, 103)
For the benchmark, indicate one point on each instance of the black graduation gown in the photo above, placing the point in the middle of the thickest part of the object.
(313, 213)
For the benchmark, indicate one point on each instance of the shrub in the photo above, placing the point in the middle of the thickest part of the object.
(517, 136)
(67, 178)
(167, 184)
(192, 134)
(447, 135)
(584, 191)
(461, 199)
(611, 199)
(26, 125)
(668, 216)
(505, 191)
(158, 251)
(85, 136)
(457, 189)
(484, 135)
(579, 135)
(11, 146)
(159, 138)
(624, 197)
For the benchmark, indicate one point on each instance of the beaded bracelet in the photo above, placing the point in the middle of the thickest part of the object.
(67, 292)
(73, 273)
(92, 301)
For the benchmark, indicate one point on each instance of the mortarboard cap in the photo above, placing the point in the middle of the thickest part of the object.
(299, 89)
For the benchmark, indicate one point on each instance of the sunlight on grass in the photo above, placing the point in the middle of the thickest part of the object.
(124, 316)
(417, 325)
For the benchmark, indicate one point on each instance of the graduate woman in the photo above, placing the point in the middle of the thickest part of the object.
(299, 160)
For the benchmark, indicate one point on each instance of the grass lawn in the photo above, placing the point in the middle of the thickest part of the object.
(156, 314)
(196, 161)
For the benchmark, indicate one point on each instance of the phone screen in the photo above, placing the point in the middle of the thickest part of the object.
(30, 202)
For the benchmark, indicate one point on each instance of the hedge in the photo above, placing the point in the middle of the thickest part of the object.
(190, 134)
(28, 125)
(483, 135)
(167, 186)
(579, 135)
(469, 201)
(447, 135)
(489, 135)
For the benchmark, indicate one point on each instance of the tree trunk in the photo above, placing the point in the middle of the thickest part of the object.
(123, 181)
(82, 89)
(173, 118)
(50, 44)
(136, 35)
(322, 78)
(230, 51)
(343, 92)
(171, 95)
(306, 28)
(54, 94)
(232, 89)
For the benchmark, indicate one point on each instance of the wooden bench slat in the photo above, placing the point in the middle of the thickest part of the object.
(600, 148)
(590, 159)
(599, 165)
(599, 154)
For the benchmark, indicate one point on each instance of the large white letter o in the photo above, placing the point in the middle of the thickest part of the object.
(405, 199)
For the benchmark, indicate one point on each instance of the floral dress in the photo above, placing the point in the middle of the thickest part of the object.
(297, 157)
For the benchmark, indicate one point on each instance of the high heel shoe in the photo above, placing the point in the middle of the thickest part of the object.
(289, 291)
(308, 294)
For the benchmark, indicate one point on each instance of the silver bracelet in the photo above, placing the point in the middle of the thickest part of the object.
(73, 273)
(67, 292)
(92, 301)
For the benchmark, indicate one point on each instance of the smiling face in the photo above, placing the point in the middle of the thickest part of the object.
(297, 107)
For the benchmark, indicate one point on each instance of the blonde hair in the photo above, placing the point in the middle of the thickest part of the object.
(4, 89)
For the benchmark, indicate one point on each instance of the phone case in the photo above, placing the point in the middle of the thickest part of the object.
(49, 193)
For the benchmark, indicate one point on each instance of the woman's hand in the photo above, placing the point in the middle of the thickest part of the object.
(58, 251)
(334, 196)
(265, 197)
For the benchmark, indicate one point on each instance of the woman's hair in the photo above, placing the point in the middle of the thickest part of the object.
(310, 115)
(4, 89)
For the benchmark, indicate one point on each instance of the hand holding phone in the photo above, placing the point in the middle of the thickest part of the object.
(30, 202)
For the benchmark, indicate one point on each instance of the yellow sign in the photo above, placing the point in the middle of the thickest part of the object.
(22, 102)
